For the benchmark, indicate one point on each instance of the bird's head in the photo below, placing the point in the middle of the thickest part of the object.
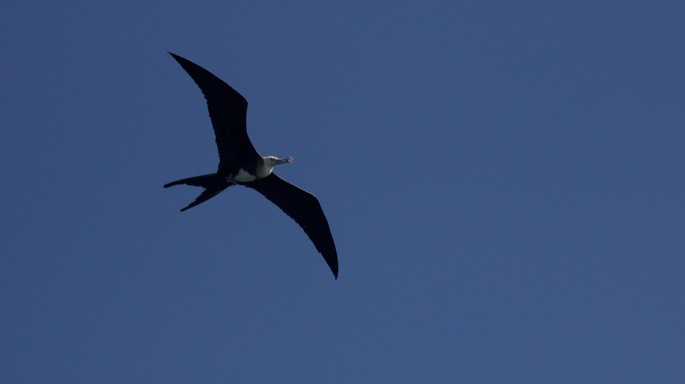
(272, 161)
(268, 163)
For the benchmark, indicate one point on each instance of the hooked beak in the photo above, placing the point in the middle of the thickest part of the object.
(288, 159)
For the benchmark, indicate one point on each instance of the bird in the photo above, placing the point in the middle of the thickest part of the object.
(241, 164)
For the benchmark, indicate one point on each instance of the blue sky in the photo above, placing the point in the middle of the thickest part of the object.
(504, 182)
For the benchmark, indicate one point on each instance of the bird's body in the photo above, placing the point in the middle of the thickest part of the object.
(241, 164)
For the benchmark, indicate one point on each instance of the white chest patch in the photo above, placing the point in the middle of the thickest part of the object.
(244, 177)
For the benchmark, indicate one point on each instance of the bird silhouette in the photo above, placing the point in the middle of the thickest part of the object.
(241, 164)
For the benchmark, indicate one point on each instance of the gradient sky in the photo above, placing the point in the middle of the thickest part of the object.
(504, 180)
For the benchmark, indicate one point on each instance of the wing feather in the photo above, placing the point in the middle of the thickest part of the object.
(228, 112)
(304, 208)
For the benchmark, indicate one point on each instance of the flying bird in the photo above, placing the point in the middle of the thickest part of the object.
(241, 164)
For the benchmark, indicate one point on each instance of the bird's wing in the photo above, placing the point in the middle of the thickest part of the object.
(304, 208)
(228, 111)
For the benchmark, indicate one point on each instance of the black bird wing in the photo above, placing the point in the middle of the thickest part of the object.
(304, 208)
(228, 112)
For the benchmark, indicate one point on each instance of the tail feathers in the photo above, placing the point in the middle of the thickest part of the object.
(204, 196)
(212, 183)
(205, 181)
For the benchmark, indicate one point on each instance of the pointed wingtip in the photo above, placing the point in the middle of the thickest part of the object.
(176, 57)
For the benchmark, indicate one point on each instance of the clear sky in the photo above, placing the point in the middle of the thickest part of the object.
(504, 180)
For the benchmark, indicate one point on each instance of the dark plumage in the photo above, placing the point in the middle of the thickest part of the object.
(240, 163)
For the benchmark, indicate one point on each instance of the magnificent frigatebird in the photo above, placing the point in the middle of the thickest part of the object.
(239, 163)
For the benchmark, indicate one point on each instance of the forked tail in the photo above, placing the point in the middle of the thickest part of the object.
(212, 183)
